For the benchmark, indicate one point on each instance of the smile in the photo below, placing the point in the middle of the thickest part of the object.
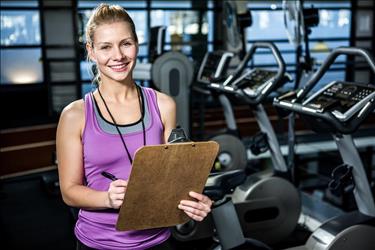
(119, 67)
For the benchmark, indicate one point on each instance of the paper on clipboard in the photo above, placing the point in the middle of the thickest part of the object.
(161, 176)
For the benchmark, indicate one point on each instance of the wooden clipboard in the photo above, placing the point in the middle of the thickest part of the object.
(161, 176)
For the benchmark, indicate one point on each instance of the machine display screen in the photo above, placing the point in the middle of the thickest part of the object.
(340, 96)
(256, 78)
(214, 64)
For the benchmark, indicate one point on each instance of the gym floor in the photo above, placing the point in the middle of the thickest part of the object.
(33, 215)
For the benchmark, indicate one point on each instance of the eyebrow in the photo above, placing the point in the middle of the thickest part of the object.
(123, 40)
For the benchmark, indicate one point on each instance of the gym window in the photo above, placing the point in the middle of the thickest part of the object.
(20, 43)
(332, 31)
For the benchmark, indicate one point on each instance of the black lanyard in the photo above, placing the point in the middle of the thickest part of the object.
(117, 128)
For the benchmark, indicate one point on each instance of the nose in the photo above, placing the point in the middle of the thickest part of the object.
(118, 53)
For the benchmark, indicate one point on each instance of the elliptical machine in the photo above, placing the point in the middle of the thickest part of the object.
(340, 108)
(267, 204)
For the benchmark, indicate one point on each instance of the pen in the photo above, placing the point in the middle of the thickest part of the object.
(109, 176)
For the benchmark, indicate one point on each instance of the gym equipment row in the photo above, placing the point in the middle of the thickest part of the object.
(266, 207)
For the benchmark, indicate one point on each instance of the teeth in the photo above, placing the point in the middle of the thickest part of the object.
(118, 66)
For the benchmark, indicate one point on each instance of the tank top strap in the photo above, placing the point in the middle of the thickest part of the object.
(152, 104)
(89, 114)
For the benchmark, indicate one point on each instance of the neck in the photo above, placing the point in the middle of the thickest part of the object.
(106, 103)
(118, 92)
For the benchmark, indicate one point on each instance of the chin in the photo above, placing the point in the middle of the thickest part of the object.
(119, 77)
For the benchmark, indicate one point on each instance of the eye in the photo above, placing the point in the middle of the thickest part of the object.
(127, 44)
(106, 47)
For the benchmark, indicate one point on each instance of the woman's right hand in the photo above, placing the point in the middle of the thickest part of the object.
(116, 193)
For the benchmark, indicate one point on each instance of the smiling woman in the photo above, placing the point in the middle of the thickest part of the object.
(114, 50)
(103, 132)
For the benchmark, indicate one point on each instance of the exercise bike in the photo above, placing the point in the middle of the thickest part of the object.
(267, 204)
(224, 215)
(339, 108)
(232, 153)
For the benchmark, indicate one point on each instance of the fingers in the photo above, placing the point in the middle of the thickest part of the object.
(197, 210)
(201, 197)
(116, 193)
(116, 200)
(118, 186)
(194, 216)
(119, 183)
(196, 205)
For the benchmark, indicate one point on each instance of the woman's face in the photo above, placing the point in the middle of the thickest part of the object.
(114, 51)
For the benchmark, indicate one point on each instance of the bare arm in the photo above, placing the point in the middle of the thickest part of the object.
(70, 165)
(167, 107)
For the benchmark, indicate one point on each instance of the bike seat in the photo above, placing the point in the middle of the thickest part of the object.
(220, 184)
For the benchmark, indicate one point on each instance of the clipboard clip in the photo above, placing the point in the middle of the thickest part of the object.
(178, 135)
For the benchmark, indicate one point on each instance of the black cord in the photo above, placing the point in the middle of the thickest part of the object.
(117, 128)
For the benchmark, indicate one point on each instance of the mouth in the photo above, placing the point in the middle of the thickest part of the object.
(119, 67)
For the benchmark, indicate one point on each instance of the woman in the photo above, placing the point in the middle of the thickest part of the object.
(102, 133)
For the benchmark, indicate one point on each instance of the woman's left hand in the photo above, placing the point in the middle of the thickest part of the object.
(197, 210)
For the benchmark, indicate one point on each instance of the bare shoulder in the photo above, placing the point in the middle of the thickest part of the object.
(166, 103)
(73, 115)
(73, 110)
(167, 107)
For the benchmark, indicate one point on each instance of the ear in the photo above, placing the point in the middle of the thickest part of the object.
(90, 52)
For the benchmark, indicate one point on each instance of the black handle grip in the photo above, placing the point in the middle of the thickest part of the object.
(249, 55)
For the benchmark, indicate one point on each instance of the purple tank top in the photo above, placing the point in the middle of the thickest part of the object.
(103, 151)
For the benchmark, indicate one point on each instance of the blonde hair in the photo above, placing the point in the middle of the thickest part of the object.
(106, 14)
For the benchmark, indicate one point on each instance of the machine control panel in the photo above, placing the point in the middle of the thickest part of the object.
(254, 81)
(214, 66)
(342, 99)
